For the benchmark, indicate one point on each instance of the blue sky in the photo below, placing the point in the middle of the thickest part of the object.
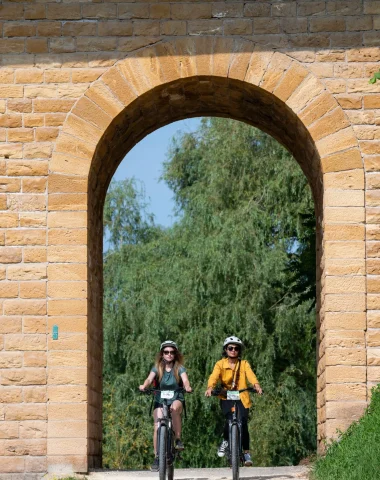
(144, 162)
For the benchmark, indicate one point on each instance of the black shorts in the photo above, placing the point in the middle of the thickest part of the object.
(160, 405)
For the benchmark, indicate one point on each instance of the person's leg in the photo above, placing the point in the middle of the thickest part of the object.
(176, 409)
(244, 412)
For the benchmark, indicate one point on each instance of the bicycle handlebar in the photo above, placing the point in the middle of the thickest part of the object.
(152, 391)
(224, 391)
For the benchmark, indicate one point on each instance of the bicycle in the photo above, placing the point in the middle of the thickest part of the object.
(235, 449)
(167, 452)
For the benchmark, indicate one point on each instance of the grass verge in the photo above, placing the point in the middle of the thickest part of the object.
(356, 454)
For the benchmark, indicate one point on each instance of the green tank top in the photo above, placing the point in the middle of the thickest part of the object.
(169, 382)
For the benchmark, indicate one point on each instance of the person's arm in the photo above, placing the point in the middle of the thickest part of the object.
(252, 379)
(186, 383)
(213, 379)
(148, 381)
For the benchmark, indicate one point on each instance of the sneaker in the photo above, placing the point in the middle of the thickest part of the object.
(179, 445)
(222, 448)
(248, 460)
(154, 467)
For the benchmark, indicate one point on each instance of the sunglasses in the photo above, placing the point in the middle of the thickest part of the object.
(169, 352)
(233, 349)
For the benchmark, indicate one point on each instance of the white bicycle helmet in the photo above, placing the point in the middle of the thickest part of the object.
(168, 343)
(234, 340)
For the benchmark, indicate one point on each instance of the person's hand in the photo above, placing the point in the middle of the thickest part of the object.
(258, 389)
(141, 388)
(188, 389)
(208, 392)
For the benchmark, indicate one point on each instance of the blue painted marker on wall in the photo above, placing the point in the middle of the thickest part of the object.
(55, 332)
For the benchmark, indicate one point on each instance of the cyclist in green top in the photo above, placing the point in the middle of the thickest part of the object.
(170, 375)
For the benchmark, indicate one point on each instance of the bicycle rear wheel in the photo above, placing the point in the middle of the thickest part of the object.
(162, 452)
(235, 452)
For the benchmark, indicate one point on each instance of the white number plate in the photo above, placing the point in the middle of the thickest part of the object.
(167, 394)
(233, 395)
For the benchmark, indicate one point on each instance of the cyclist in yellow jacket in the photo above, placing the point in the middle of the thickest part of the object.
(233, 373)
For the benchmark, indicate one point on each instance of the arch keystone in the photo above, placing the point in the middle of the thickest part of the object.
(185, 50)
(151, 67)
(222, 52)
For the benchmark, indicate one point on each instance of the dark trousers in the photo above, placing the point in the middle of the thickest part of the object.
(226, 406)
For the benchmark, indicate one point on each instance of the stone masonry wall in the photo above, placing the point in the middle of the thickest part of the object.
(59, 83)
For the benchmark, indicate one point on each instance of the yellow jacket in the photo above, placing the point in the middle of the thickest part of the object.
(224, 374)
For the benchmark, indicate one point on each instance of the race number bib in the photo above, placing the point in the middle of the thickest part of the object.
(167, 394)
(233, 395)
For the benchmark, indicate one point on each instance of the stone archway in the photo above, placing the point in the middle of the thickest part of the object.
(155, 86)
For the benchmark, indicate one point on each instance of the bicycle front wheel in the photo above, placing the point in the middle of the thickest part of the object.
(171, 472)
(162, 452)
(235, 452)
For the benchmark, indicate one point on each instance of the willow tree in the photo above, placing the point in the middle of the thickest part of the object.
(240, 259)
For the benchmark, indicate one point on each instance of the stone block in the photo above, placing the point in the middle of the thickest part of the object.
(373, 338)
(344, 339)
(35, 255)
(25, 342)
(67, 272)
(345, 410)
(344, 232)
(34, 324)
(9, 430)
(344, 214)
(62, 219)
(345, 321)
(346, 356)
(10, 255)
(25, 307)
(58, 289)
(26, 412)
(23, 376)
(67, 394)
(346, 392)
(35, 394)
(10, 360)
(67, 254)
(67, 358)
(64, 411)
(68, 341)
(67, 429)
(67, 307)
(345, 303)
(34, 359)
(67, 376)
(349, 249)
(27, 272)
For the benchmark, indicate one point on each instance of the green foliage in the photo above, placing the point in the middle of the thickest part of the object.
(376, 76)
(239, 260)
(356, 456)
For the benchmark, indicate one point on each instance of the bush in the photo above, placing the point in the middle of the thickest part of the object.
(356, 453)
